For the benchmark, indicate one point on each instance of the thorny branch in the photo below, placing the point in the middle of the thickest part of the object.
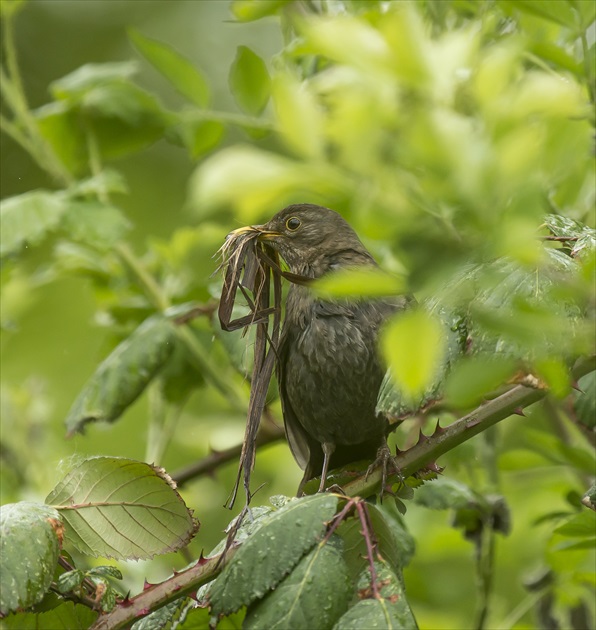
(427, 450)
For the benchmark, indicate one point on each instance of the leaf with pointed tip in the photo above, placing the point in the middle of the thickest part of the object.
(249, 10)
(174, 67)
(174, 615)
(314, 595)
(124, 374)
(272, 552)
(249, 81)
(30, 541)
(26, 219)
(120, 508)
(391, 611)
(66, 616)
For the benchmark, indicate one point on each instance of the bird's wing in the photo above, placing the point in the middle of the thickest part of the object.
(298, 439)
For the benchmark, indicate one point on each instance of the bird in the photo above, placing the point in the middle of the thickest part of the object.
(328, 366)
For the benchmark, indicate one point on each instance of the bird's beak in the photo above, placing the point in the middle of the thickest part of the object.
(264, 234)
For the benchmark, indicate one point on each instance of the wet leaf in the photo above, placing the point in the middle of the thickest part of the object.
(30, 541)
(272, 552)
(120, 508)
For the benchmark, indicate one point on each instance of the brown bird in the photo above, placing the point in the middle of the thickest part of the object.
(328, 366)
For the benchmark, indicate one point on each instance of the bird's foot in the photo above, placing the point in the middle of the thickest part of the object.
(388, 466)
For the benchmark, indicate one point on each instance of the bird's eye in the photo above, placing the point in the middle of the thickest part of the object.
(293, 223)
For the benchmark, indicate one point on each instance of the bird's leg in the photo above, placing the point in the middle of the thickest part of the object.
(328, 449)
(386, 460)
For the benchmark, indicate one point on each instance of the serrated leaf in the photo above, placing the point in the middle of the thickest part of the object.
(90, 75)
(444, 494)
(124, 374)
(26, 219)
(271, 552)
(66, 616)
(314, 595)
(414, 346)
(30, 542)
(173, 66)
(395, 544)
(248, 10)
(249, 81)
(106, 571)
(391, 611)
(178, 614)
(95, 223)
(120, 508)
(70, 580)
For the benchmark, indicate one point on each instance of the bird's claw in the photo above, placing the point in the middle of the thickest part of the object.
(388, 465)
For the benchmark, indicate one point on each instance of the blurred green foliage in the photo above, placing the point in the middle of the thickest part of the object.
(450, 133)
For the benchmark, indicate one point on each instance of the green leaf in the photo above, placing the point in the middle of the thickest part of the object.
(584, 402)
(91, 75)
(70, 580)
(390, 611)
(123, 375)
(120, 508)
(95, 223)
(261, 179)
(314, 595)
(174, 67)
(271, 552)
(299, 116)
(59, 123)
(199, 135)
(558, 11)
(249, 10)
(414, 346)
(579, 526)
(559, 225)
(26, 219)
(444, 494)
(474, 377)
(176, 615)
(30, 542)
(106, 571)
(249, 81)
(371, 282)
(66, 616)
(108, 181)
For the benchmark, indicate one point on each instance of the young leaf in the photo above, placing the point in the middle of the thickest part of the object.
(391, 610)
(314, 595)
(248, 10)
(174, 615)
(123, 375)
(249, 81)
(414, 345)
(26, 219)
(174, 67)
(30, 542)
(91, 75)
(474, 377)
(120, 508)
(66, 616)
(95, 223)
(270, 553)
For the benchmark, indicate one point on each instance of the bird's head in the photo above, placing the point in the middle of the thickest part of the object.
(310, 238)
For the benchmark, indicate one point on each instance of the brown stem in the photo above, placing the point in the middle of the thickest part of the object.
(443, 440)
(157, 595)
(268, 434)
